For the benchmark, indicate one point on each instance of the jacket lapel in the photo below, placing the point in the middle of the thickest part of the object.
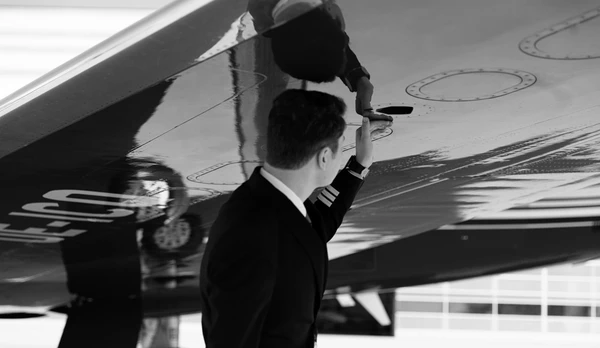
(296, 224)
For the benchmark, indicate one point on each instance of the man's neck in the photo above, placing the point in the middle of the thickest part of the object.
(298, 180)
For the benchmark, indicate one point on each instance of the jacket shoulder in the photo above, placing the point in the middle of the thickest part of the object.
(245, 220)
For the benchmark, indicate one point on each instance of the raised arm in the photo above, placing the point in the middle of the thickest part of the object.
(336, 199)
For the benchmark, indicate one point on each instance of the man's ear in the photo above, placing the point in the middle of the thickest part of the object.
(323, 157)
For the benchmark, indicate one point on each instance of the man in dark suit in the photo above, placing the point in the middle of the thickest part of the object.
(265, 266)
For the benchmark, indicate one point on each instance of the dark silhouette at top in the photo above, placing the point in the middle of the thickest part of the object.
(309, 42)
(311, 47)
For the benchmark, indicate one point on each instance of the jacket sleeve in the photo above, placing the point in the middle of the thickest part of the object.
(241, 273)
(353, 71)
(335, 200)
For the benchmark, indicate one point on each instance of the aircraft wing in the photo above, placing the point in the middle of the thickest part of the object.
(495, 107)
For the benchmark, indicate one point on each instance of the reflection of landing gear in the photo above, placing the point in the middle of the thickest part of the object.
(181, 238)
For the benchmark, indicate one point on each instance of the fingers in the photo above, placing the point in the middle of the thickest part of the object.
(373, 116)
(379, 127)
(380, 124)
(370, 128)
(366, 128)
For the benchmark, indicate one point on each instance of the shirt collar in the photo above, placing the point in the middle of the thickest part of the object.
(285, 190)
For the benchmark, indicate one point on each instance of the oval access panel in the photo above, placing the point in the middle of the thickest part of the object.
(471, 84)
(573, 39)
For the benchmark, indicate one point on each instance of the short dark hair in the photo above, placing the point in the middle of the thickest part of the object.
(310, 47)
(301, 123)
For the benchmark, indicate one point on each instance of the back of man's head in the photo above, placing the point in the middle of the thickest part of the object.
(310, 47)
(301, 123)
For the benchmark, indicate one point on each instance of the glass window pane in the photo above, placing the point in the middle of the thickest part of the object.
(479, 308)
(470, 324)
(579, 271)
(519, 285)
(569, 311)
(428, 307)
(520, 325)
(419, 323)
(564, 286)
(562, 326)
(519, 309)
(477, 283)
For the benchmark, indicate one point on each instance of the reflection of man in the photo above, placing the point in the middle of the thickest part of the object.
(314, 46)
(264, 270)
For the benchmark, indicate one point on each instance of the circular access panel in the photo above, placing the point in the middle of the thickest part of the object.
(471, 84)
(573, 39)
(197, 195)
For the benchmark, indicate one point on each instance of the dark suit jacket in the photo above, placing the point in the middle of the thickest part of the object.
(264, 270)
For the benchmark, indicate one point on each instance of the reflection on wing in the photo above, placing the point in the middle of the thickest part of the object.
(115, 167)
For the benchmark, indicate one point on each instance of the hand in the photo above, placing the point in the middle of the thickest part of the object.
(364, 93)
(364, 144)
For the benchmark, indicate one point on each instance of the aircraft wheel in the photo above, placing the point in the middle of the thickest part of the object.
(182, 238)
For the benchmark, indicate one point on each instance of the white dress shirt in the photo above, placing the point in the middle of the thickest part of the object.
(285, 190)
